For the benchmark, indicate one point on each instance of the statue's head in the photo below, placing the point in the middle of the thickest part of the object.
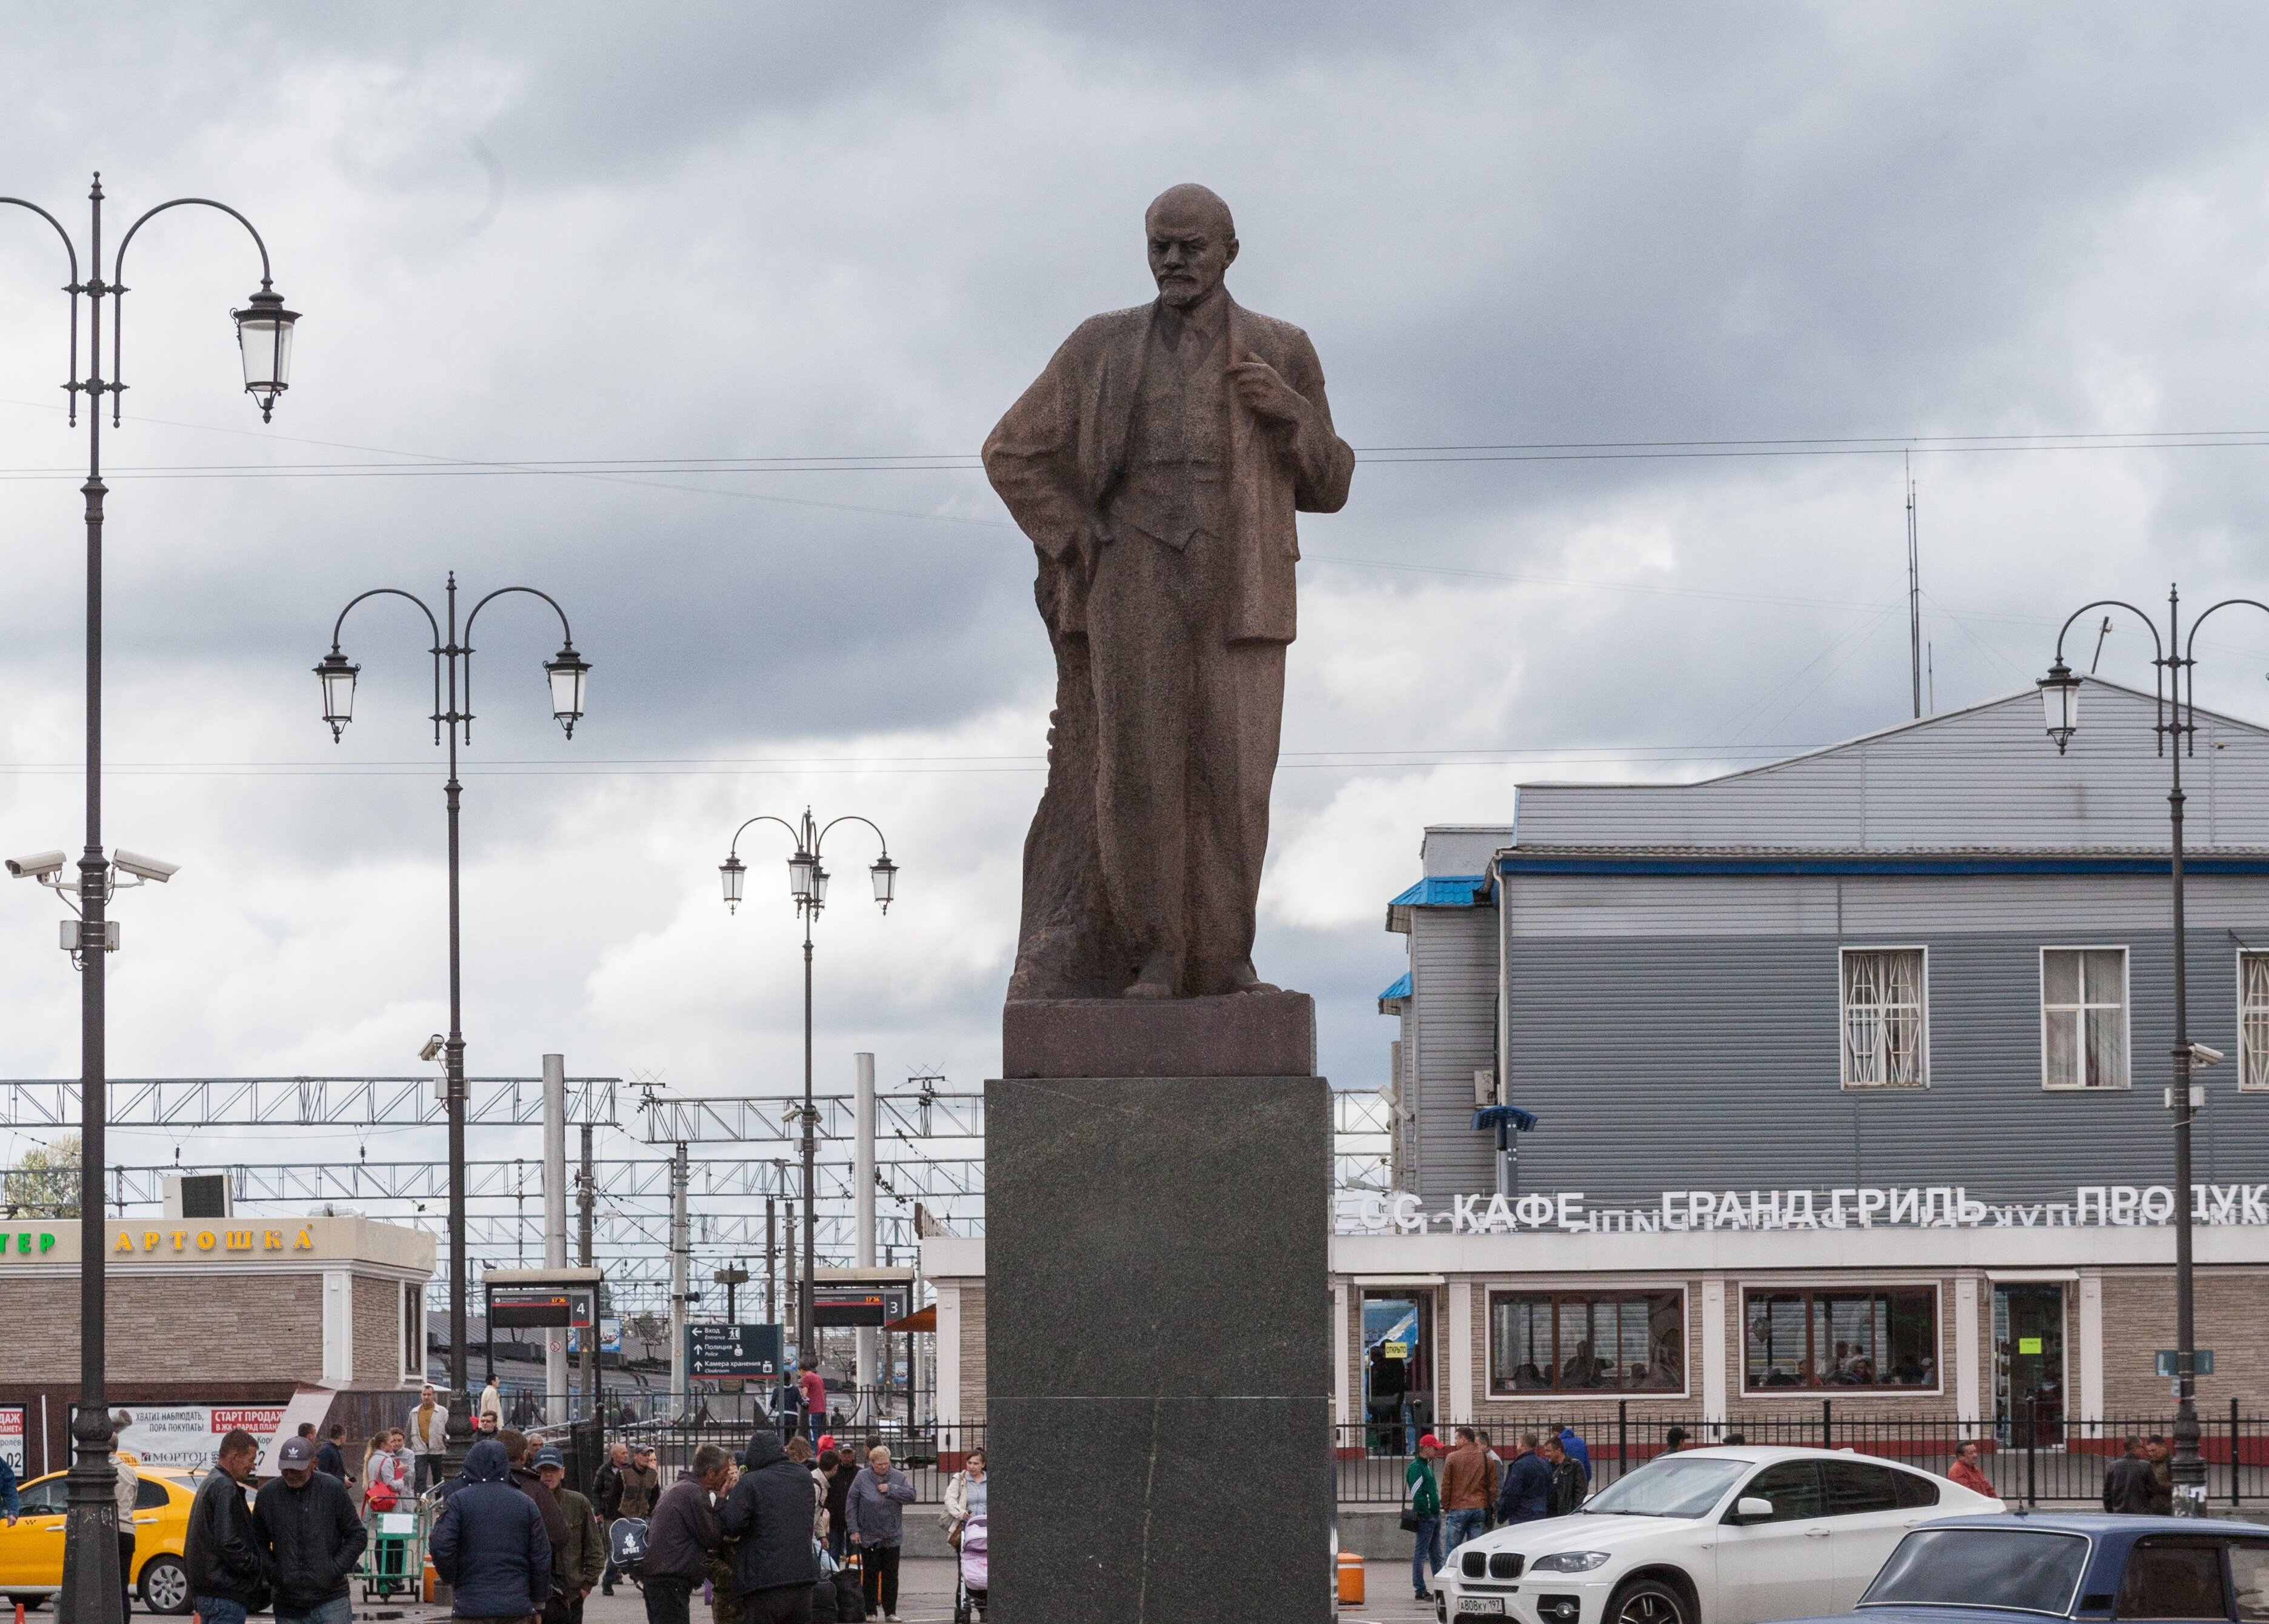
(1193, 242)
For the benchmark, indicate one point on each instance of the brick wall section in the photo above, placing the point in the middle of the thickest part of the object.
(2139, 1320)
(221, 1328)
(377, 1310)
(973, 1354)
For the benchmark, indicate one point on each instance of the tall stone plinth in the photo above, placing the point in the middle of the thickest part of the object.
(1158, 1312)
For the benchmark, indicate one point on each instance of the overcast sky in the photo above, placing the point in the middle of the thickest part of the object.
(559, 233)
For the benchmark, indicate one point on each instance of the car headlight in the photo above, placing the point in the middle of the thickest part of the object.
(1570, 1561)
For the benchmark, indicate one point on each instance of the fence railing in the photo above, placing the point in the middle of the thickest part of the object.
(2033, 1458)
(929, 1453)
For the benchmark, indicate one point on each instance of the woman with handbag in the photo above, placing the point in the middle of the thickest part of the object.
(964, 1496)
(1421, 1514)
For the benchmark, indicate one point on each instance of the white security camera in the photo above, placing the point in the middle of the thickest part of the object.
(38, 866)
(143, 868)
(2202, 1056)
(432, 1049)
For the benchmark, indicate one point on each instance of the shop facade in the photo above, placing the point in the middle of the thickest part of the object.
(1826, 1094)
(257, 1314)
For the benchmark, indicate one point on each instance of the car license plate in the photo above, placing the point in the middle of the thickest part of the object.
(1481, 1603)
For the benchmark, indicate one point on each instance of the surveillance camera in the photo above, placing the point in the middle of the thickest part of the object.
(38, 866)
(2202, 1056)
(143, 868)
(432, 1049)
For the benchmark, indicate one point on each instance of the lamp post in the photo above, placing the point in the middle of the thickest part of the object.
(806, 884)
(2175, 696)
(90, 1579)
(567, 674)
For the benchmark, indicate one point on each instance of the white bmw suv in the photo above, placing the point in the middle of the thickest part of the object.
(1712, 1536)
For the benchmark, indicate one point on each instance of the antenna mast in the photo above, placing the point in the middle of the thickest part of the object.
(1914, 591)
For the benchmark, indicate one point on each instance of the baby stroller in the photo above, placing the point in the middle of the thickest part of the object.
(974, 1574)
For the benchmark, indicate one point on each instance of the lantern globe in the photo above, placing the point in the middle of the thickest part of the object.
(801, 867)
(885, 876)
(568, 673)
(2060, 703)
(263, 338)
(735, 872)
(337, 676)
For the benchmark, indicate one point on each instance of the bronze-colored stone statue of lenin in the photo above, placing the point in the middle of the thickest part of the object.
(1156, 465)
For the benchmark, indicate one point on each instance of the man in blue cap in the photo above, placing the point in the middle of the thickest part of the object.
(578, 1560)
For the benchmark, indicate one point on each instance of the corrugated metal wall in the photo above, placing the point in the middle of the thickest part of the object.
(1454, 957)
(1706, 1061)
(1985, 777)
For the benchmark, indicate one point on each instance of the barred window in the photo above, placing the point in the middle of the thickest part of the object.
(1841, 1339)
(2084, 1017)
(1886, 1035)
(2253, 1020)
(1615, 1341)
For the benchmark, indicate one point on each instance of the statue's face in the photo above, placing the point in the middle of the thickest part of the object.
(1191, 249)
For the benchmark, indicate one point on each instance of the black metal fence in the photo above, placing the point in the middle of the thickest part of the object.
(929, 1453)
(2031, 1458)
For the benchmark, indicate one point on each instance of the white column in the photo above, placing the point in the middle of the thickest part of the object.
(1458, 1329)
(2091, 1348)
(948, 1373)
(1340, 1402)
(1965, 1350)
(555, 1228)
(862, 1202)
(339, 1328)
(1714, 1348)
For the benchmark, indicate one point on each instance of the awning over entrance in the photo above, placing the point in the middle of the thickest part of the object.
(923, 1319)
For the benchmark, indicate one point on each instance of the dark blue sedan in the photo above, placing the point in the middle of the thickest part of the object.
(2022, 1567)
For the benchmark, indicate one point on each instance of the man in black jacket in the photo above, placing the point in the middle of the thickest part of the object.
(307, 1528)
(2127, 1485)
(684, 1527)
(1568, 1486)
(607, 1498)
(226, 1575)
(771, 1512)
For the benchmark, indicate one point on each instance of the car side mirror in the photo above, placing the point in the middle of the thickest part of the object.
(1750, 1509)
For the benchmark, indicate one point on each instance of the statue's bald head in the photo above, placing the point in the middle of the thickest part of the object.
(1192, 205)
(1193, 240)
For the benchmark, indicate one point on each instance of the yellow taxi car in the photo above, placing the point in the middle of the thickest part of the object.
(32, 1552)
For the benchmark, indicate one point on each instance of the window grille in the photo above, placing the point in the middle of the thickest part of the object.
(1884, 1035)
(2253, 1020)
(2084, 1017)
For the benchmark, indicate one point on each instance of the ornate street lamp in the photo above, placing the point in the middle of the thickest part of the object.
(806, 884)
(90, 1578)
(2174, 693)
(567, 674)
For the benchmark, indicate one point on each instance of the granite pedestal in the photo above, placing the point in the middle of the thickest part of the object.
(1158, 1312)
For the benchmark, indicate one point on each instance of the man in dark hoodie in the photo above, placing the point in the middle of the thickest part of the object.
(489, 1543)
(771, 1511)
(521, 1450)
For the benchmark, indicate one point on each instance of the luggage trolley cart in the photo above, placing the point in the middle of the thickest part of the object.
(393, 1562)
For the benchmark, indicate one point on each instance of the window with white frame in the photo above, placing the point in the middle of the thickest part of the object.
(413, 1331)
(2084, 1017)
(1886, 1032)
(2253, 1021)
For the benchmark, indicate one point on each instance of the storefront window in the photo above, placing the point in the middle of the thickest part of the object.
(1881, 1339)
(1620, 1341)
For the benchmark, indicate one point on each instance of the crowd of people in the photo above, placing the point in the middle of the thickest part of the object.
(1475, 1489)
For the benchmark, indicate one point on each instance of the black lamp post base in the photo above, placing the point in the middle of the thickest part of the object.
(91, 1593)
(460, 1435)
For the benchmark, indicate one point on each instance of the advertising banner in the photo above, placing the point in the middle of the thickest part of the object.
(189, 1435)
(11, 1439)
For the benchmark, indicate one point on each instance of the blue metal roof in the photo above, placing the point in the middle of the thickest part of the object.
(1443, 890)
(1399, 988)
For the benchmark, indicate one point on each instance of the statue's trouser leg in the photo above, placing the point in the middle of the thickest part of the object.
(1239, 714)
(1140, 641)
